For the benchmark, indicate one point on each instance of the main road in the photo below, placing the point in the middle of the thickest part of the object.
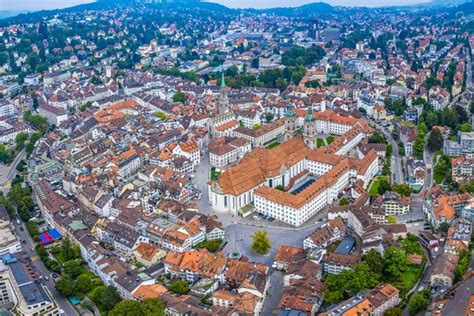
(28, 248)
(396, 164)
(428, 160)
(9, 172)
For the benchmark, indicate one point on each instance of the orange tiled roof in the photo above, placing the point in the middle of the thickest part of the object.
(226, 126)
(149, 291)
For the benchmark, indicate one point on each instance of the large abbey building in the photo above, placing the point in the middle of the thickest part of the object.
(295, 180)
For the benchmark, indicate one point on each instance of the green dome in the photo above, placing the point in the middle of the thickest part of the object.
(290, 113)
(309, 117)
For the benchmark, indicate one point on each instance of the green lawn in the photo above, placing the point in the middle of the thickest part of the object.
(330, 139)
(273, 145)
(411, 245)
(438, 178)
(319, 142)
(374, 186)
(408, 280)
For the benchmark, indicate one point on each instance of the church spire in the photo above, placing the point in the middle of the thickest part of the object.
(222, 79)
(224, 98)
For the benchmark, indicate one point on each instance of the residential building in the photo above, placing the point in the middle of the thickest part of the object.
(393, 203)
(334, 263)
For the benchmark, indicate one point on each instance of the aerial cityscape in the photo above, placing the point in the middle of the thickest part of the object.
(183, 157)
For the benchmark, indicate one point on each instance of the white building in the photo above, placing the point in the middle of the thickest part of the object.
(55, 116)
(254, 181)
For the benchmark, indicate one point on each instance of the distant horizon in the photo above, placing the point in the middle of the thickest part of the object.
(36, 5)
(265, 4)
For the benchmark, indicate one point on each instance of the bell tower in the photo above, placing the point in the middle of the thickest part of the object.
(309, 129)
(290, 123)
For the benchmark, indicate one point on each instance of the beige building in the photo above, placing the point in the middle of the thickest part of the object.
(148, 254)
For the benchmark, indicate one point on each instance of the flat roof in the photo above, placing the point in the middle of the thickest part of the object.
(18, 272)
(34, 293)
(345, 246)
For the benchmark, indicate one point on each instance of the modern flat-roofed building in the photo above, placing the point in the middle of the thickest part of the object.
(24, 289)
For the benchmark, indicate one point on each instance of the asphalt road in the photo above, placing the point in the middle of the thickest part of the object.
(62, 302)
(468, 72)
(428, 160)
(9, 172)
(396, 167)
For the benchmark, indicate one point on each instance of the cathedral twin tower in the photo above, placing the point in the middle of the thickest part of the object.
(309, 126)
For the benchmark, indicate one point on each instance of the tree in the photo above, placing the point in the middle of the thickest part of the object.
(443, 227)
(403, 189)
(461, 113)
(419, 145)
(147, 307)
(384, 186)
(344, 201)
(395, 263)
(261, 242)
(374, 260)
(280, 187)
(312, 84)
(394, 311)
(72, 268)
(269, 117)
(179, 287)
(418, 302)
(179, 96)
(83, 283)
(153, 307)
(105, 297)
(377, 138)
(20, 139)
(392, 219)
(126, 308)
(160, 115)
(85, 106)
(388, 150)
(39, 122)
(349, 282)
(435, 140)
(69, 251)
(463, 264)
(466, 127)
(65, 286)
(442, 170)
(281, 84)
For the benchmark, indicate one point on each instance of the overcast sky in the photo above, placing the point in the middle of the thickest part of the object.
(14, 5)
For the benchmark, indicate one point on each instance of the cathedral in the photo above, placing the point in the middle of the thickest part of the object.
(309, 126)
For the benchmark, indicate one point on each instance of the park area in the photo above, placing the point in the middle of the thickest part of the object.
(374, 186)
(321, 142)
